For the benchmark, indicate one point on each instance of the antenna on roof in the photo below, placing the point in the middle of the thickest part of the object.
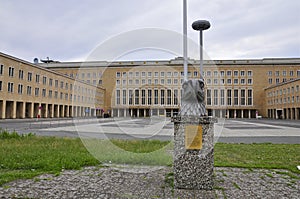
(35, 60)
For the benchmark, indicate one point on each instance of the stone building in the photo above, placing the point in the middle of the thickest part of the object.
(28, 90)
(283, 101)
(234, 88)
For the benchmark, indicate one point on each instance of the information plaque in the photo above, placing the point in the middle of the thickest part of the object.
(193, 137)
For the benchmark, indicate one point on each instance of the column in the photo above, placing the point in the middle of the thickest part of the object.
(125, 112)
(138, 112)
(234, 113)
(118, 111)
(14, 113)
(249, 114)
(227, 113)
(23, 110)
(144, 112)
(3, 114)
(242, 113)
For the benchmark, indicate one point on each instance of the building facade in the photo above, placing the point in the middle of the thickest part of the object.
(28, 91)
(234, 88)
(283, 101)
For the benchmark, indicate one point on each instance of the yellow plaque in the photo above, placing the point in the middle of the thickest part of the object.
(193, 137)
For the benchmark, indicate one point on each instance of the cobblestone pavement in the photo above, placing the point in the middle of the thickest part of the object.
(123, 181)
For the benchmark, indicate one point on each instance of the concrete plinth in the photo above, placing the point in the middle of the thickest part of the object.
(193, 168)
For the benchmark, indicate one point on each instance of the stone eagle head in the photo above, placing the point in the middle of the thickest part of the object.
(193, 91)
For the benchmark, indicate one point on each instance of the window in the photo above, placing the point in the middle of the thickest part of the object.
(155, 96)
(208, 99)
(162, 74)
(143, 74)
(0, 85)
(284, 73)
(228, 81)
(215, 81)
(130, 82)
(50, 82)
(243, 97)
(216, 74)
(175, 81)
(222, 73)
(149, 97)
(29, 77)
(249, 73)
(36, 91)
(149, 81)
(208, 81)
(216, 97)
(137, 74)
(143, 81)
(130, 74)
(61, 96)
(44, 80)
(236, 97)
(10, 87)
(130, 97)
(236, 81)
(242, 73)
(270, 80)
(169, 81)
(222, 81)
(94, 75)
(37, 78)
(11, 71)
(222, 93)
(21, 74)
(149, 74)
(20, 89)
(229, 73)
(291, 73)
(118, 97)
(249, 97)
(298, 73)
(169, 97)
(235, 73)
(124, 97)
(277, 80)
(155, 81)
(118, 74)
(1, 69)
(162, 97)
(44, 92)
(229, 97)
(137, 96)
(56, 95)
(50, 94)
(100, 82)
(249, 81)
(208, 73)
(137, 82)
(117, 82)
(175, 97)
(162, 81)
(156, 74)
(269, 73)
(28, 90)
(61, 84)
(143, 97)
(276, 73)
(243, 81)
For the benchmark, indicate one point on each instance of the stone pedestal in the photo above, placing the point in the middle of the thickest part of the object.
(193, 152)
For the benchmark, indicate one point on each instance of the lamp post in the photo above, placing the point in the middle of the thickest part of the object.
(201, 25)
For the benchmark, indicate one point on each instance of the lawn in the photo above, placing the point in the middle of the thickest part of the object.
(29, 155)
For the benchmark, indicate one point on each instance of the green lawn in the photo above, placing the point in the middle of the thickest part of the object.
(28, 156)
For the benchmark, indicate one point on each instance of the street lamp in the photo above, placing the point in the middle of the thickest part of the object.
(201, 25)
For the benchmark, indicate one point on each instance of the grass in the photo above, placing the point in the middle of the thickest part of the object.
(25, 156)
(268, 156)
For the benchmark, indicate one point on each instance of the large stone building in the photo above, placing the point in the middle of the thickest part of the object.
(28, 90)
(234, 88)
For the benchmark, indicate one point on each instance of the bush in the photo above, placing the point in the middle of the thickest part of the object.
(5, 134)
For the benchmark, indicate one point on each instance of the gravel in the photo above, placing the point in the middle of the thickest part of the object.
(127, 181)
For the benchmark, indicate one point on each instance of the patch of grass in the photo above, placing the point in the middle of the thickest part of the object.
(26, 157)
(268, 156)
(139, 152)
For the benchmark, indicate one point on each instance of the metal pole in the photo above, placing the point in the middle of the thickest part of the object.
(185, 62)
(201, 55)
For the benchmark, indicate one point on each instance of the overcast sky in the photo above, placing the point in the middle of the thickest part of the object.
(69, 30)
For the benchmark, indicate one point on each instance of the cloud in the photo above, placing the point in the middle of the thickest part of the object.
(70, 29)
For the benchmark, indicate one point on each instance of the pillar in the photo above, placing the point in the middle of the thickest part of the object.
(14, 113)
(118, 112)
(242, 113)
(23, 110)
(138, 113)
(3, 113)
(249, 114)
(234, 113)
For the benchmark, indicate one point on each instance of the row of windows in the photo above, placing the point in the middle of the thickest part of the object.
(175, 81)
(284, 91)
(43, 80)
(214, 97)
(284, 100)
(85, 75)
(284, 73)
(277, 80)
(229, 97)
(147, 97)
(175, 74)
(29, 91)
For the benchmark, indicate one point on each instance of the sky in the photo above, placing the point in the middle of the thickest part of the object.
(72, 30)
